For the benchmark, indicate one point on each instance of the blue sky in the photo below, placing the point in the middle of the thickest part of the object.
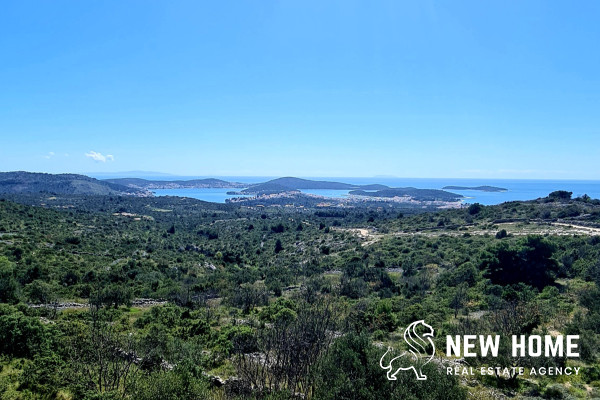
(493, 89)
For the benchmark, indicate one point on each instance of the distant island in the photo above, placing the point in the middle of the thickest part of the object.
(276, 191)
(138, 183)
(274, 186)
(290, 184)
(414, 193)
(480, 188)
(265, 188)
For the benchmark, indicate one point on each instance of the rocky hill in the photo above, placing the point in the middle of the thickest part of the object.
(32, 182)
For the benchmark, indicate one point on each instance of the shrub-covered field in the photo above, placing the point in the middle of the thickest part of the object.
(169, 298)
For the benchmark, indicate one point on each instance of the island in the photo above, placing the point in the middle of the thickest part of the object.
(290, 184)
(413, 193)
(207, 183)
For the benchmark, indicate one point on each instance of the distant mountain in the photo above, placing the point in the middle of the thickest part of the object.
(414, 193)
(33, 182)
(178, 184)
(480, 188)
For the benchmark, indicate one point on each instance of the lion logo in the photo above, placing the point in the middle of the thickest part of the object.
(417, 344)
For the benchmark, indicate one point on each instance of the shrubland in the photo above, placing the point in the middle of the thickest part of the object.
(284, 302)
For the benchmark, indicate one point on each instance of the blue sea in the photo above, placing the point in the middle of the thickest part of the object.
(518, 189)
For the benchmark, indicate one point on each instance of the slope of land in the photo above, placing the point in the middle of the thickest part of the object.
(290, 183)
(414, 193)
(299, 183)
(267, 188)
(177, 184)
(190, 296)
(30, 182)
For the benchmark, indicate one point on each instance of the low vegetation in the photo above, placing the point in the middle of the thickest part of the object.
(110, 297)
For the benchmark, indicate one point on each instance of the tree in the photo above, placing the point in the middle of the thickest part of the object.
(21, 336)
(460, 298)
(288, 350)
(112, 295)
(40, 292)
(515, 316)
(279, 228)
(474, 208)
(103, 360)
(8, 284)
(248, 296)
(529, 262)
(501, 234)
(560, 195)
(278, 246)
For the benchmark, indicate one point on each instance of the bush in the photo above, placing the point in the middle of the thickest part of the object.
(44, 375)
(530, 262)
(560, 195)
(351, 371)
(501, 234)
(9, 286)
(171, 385)
(22, 336)
(474, 208)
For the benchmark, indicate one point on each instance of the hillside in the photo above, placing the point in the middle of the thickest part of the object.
(170, 278)
(176, 184)
(414, 193)
(274, 186)
(31, 182)
(267, 188)
(299, 183)
(289, 183)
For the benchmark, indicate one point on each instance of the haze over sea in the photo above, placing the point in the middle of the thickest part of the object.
(517, 189)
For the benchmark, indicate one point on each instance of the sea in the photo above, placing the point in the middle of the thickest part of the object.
(517, 189)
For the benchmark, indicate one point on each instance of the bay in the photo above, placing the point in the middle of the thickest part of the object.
(517, 189)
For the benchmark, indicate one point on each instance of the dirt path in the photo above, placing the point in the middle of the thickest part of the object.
(363, 233)
(512, 228)
(579, 228)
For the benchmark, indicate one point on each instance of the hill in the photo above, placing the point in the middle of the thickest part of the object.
(31, 182)
(299, 183)
(291, 183)
(267, 188)
(89, 278)
(279, 185)
(177, 184)
(414, 193)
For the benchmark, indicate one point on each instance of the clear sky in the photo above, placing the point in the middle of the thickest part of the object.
(497, 89)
